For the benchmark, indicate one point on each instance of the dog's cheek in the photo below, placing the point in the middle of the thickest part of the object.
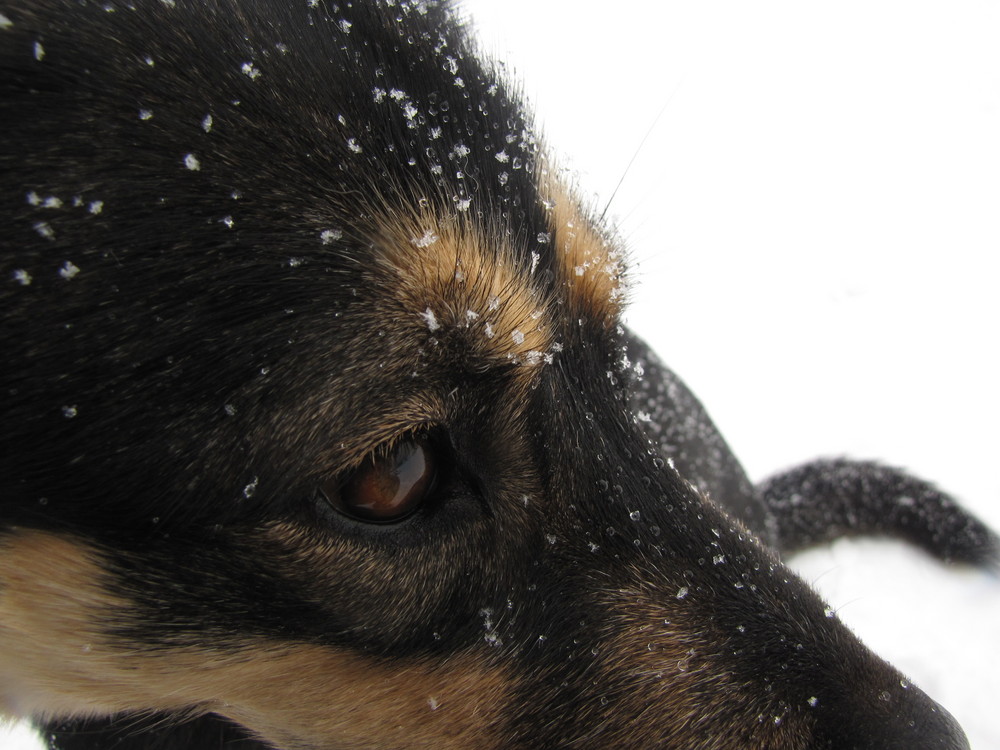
(57, 661)
(53, 607)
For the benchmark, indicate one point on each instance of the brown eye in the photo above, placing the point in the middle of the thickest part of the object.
(389, 485)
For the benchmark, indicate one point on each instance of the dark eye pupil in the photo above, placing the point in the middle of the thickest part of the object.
(389, 485)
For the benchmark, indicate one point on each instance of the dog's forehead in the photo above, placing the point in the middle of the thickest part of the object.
(267, 167)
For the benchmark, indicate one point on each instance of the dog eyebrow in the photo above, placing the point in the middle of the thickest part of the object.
(447, 275)
(589, 255)
(450, 273)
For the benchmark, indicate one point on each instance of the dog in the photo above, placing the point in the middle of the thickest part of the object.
(322, 429)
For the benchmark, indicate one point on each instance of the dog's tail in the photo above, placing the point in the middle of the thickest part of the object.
(826, 499)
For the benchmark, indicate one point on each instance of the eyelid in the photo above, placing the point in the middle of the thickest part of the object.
(407, 424)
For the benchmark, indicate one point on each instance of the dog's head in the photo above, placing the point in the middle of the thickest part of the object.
(317, 414)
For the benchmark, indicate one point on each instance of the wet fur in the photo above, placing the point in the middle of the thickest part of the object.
(242, 243)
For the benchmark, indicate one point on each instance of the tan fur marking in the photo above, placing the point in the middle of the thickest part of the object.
(589, 257)
(449, 276)
(50, 597)
(666, 666)
(54, 661)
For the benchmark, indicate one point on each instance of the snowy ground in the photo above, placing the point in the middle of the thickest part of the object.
(814, 217)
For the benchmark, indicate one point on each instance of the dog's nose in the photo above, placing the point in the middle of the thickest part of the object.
(905, 720)
(924, 725)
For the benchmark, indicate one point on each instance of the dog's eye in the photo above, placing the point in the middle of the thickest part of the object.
(390, 484)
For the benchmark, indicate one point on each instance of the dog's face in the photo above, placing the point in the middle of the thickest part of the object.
(318, 414)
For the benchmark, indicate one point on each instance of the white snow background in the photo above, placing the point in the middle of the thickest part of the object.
(815, 222)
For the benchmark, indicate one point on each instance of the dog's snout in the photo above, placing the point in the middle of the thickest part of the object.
(905, 719)
(760, 641)
(694, 605)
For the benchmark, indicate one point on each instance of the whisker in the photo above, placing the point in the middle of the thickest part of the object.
(638, 148)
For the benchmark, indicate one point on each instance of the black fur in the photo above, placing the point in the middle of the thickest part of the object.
(824, 500)
(197, 336)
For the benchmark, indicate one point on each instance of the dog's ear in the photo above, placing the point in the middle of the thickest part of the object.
(826, 499)
(155, 732)
(806, 505)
